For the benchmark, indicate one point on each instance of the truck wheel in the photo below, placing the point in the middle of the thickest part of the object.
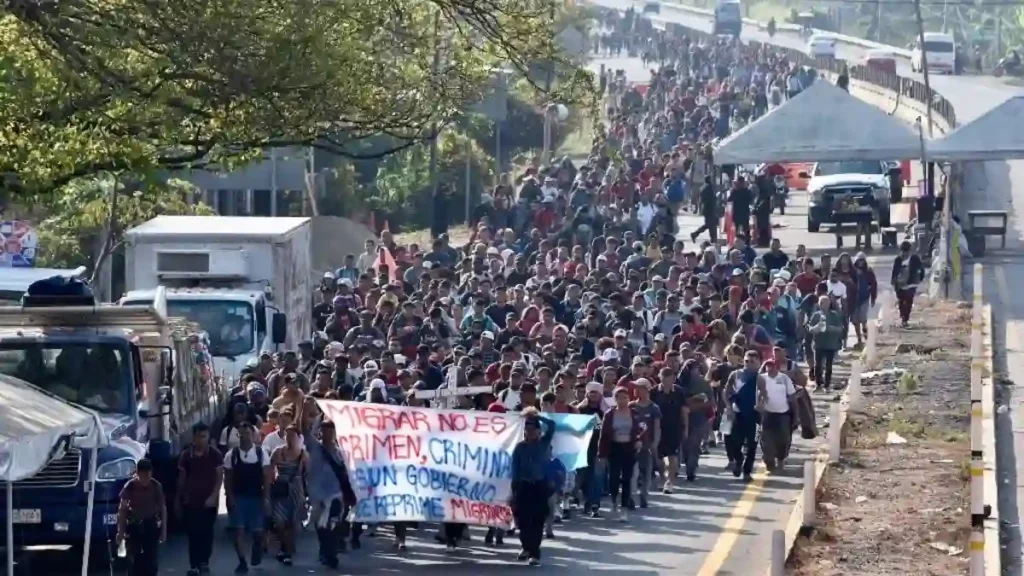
(813, 226)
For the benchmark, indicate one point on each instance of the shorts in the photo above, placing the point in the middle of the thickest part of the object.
(859, 315)
(247, 514)
(671, 439)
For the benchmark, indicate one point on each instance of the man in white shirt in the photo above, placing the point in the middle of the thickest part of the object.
(247, 479)
(775, 401)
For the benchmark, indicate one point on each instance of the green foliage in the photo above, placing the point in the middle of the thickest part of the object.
(76, 233)
(135, 86)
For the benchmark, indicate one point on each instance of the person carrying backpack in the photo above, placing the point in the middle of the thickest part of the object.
(247, 478)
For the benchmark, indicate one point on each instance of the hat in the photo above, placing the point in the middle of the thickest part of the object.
(334, 349)
(256, 389)
(659, 337)
(497, 407)
(378, 384)
(784, 275)
(488, 334)
(329, 275)
(609, 355)
(595, 387)
(779, 282)
(371, 365)
(657, 279)
(861, 256)
(620, 333)
(737, 272)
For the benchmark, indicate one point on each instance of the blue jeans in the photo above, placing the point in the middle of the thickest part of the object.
(593, 486)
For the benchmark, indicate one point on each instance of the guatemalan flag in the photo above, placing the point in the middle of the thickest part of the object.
(572, 438)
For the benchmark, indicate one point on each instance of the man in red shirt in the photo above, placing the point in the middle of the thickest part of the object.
(638, 370)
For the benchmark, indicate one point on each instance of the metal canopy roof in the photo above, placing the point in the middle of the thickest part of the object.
(824, 123)
(995, 135)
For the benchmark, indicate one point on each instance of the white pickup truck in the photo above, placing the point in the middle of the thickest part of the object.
(834, 181)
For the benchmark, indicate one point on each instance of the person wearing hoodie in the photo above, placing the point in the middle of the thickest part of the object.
(866, 295)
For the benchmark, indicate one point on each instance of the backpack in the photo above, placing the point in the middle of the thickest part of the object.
(554, 474)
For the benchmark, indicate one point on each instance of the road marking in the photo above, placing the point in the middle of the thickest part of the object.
(1013, 339)
(731, 531)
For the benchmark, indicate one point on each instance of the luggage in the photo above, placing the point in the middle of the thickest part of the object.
(58, 291)
(805, 414)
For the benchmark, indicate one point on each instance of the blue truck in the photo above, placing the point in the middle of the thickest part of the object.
(148, 377)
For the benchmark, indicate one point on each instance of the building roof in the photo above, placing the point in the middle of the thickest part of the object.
(214, 226)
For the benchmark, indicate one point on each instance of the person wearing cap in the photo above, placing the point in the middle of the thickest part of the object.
(776, 401)
(365, 333)
(342, 317)
(142, 520)
(247, 477)
(649, 415)
(530, 489)
(826, 328)
(742, 403)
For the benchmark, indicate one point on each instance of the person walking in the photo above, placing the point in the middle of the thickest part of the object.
(907, 273)
(741, 392)
(699, 412)
(286, 493)
(621, 432)
(708, 209)
(530, 491)
(200, 477)
(330, 493)
(142, 520)
(247, 479)
(650, 418)
(775, 401)
(826, 327)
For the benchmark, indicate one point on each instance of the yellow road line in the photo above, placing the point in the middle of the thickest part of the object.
(731, 531)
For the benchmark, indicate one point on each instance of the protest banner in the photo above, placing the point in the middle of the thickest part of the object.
(424, 465)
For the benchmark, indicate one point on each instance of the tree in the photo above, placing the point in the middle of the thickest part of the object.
(90, 216)
(90, 86)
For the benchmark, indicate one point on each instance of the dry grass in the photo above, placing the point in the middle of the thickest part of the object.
(902, 508)
(457, 235)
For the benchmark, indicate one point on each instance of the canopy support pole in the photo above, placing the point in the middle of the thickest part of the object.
(10, 528)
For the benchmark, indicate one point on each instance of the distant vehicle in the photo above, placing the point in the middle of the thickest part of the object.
(821, 46)
(728, 18)
(882, 60)
(832, 182)
(652, 8)
(939, 49)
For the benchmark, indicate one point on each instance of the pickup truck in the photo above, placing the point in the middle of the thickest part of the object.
(832, 183)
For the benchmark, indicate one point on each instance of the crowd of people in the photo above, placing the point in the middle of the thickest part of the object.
(576, 293)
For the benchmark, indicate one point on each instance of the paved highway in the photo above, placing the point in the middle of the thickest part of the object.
(989, 185)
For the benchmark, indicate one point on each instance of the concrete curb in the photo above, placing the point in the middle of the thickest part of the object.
(993, 560)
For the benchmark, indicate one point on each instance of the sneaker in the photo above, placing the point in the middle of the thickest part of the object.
(489, 540)
(450, 549)
(281, 556)
(242, 567)
(737, 469)
(402, 547)
(624, 517)
(549, 534)
(523, 555)
(558, 518)
(534, 562)
(691, 477)
(643, 502)
(667, 489)
(287, 561)
(499, 542)
(595, 514)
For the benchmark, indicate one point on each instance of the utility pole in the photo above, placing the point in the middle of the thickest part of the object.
(924, 63)
(434, 131)
(548, 81)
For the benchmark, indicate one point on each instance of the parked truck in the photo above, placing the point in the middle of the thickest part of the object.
(245, 280)
(147, 376)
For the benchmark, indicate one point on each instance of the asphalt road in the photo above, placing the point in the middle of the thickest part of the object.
(988, 186)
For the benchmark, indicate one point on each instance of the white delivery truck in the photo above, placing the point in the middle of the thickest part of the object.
(245, 280)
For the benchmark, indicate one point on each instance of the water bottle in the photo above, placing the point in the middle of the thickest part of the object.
(122, 549)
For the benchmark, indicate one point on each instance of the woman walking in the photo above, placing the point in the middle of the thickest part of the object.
(619, 443)
(287, 496)
(826, 327)
(907, 273)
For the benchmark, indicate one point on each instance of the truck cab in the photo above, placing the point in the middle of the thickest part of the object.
(239, 323)
(728, 18)
(833, 182)
(142, 372)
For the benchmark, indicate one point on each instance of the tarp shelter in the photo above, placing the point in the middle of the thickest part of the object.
(33, 426)
(823, 123)
(995, 135)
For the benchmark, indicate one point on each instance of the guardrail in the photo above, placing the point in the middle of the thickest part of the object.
(852, 40)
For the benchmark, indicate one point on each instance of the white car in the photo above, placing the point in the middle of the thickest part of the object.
(940, 48)
(821, 46)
